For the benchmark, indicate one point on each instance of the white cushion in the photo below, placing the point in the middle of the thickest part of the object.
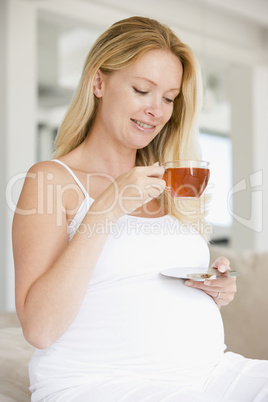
(15, 354)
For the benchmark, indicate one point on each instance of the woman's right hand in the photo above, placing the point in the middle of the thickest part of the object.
(130, 191)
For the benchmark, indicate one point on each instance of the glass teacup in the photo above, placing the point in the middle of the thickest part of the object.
(186, 178)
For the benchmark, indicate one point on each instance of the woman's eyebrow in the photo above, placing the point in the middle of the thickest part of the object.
(153, 83)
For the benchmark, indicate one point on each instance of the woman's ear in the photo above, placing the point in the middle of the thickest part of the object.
(98, 84)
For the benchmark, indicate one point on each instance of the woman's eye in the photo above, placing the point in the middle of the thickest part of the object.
(140, 92)
(169, 100)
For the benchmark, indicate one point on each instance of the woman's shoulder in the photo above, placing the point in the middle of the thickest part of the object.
(45, 166)
(47, 185)
(48, 170)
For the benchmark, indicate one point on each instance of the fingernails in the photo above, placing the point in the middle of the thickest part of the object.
(222, 268)
(189, 283)
(207, 283)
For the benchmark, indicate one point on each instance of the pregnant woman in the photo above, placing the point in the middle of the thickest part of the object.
(94, 227)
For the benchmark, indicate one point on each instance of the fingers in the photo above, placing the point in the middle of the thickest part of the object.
(222, 290)
(136, 188)
(222, 264)
(152, 170)
(155, 188)
(156, 184)
(215, 285)
(223, 298)
(149, 178)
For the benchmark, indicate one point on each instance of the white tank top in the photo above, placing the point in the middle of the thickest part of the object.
(134, 321)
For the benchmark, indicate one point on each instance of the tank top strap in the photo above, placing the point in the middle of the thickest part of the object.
(74, 177)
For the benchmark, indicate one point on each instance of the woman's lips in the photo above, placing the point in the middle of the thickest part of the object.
(143, 125)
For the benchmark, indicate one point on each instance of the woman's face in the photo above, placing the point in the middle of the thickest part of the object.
(137, 102)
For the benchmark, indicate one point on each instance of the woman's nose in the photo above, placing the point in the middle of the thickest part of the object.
(155, 108)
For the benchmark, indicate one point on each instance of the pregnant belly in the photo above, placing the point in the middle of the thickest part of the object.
(154, 327)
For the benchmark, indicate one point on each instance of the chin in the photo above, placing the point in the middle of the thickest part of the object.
(143, 144)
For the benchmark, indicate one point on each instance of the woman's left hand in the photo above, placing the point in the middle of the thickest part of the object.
(222, 289)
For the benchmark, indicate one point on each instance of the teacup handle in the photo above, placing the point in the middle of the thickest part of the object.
(166, 187)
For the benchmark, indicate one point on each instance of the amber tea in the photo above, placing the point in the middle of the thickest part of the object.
(186, 178)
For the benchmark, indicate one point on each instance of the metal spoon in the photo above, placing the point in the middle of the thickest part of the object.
(210, 274)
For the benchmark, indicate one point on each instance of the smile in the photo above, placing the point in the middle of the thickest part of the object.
(144, 125)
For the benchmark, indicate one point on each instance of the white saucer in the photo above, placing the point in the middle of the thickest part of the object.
(189, 273)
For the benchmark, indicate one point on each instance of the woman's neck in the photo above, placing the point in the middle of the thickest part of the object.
(106, 159)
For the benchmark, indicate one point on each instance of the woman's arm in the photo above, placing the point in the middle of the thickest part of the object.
(51, 274)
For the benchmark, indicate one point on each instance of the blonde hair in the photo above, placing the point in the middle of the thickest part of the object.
(117, 48)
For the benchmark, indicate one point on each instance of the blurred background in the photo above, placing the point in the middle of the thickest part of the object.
(43, 45)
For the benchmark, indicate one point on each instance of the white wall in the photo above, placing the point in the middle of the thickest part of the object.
(249, 94)
(214, 34)
(18, 104)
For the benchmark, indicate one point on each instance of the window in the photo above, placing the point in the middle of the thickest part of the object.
(217, 149)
